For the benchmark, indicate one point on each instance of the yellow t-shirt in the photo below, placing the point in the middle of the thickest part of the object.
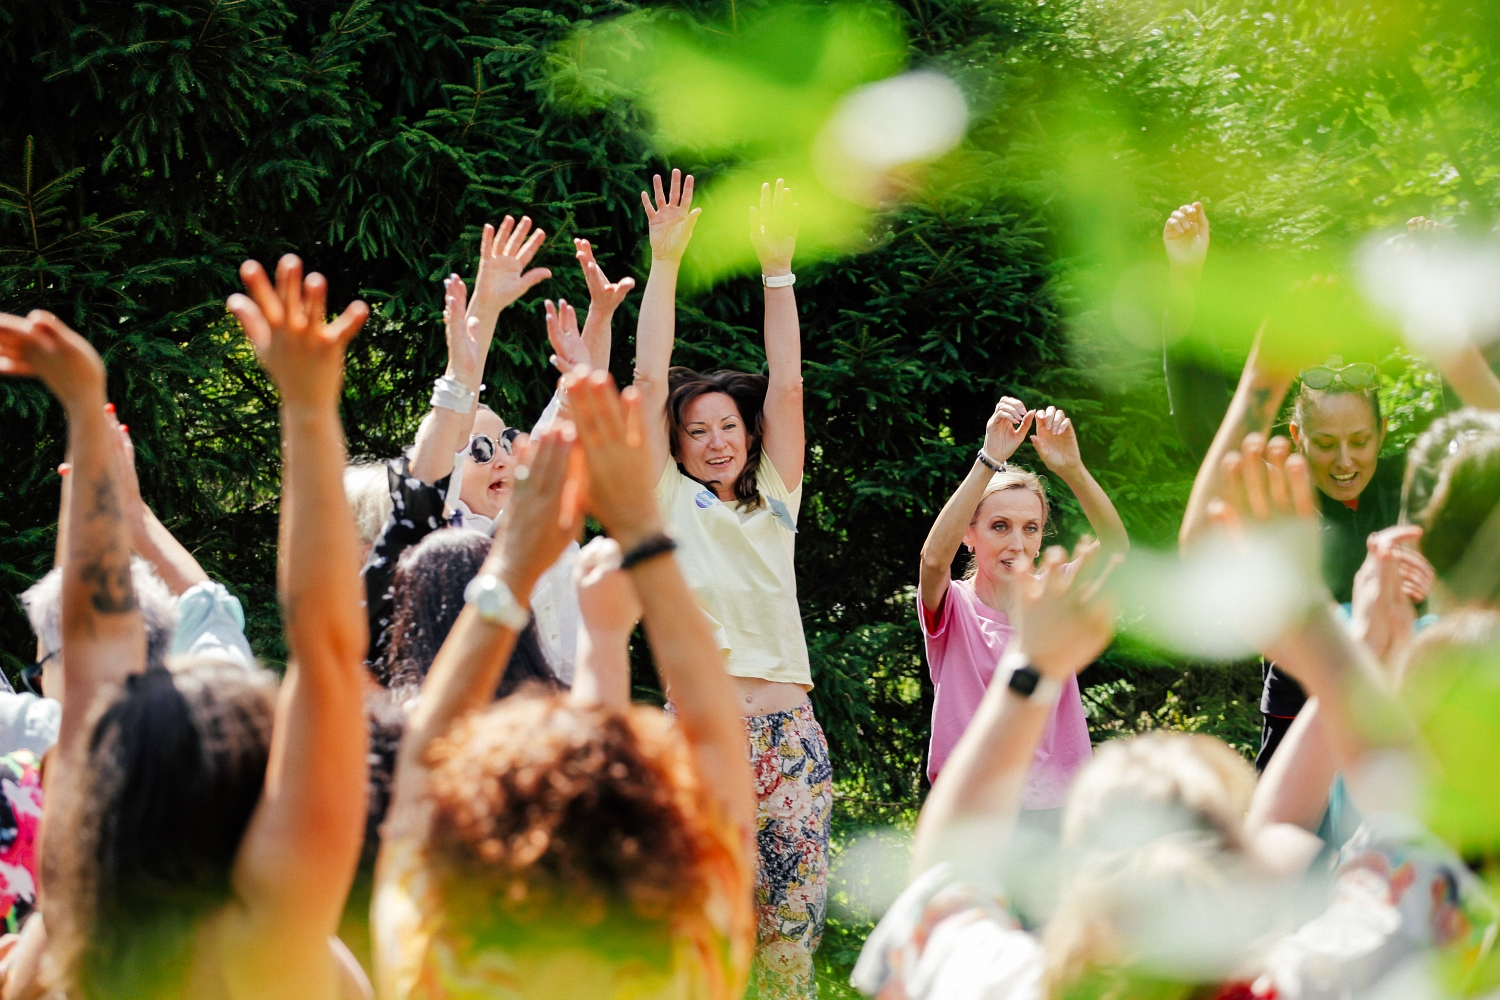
(741, 569)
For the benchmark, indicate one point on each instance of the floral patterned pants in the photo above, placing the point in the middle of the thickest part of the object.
(794, 785)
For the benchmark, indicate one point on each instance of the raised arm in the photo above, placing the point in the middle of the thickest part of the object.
(1466, 370)
(469, 326)
(1196, 389)
(773, 232)
(148, 536)
(1003, 434)
(682, 640)
(1252, 410)
(671, 220)
(1185, 236)
(609, 607)
(605, 297)
(1056, 441)
(1292, 796)
(1064, 622)
(101, 624)
(297, 859)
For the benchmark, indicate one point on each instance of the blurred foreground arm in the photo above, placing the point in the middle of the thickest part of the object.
(296, 861)
(1251, 411)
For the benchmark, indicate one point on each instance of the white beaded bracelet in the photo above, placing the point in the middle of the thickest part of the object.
(778, 280)
(451, 394)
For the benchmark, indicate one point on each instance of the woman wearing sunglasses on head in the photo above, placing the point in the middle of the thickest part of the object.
(1337, 426)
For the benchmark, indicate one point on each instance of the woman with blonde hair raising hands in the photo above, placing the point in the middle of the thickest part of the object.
(999, 513)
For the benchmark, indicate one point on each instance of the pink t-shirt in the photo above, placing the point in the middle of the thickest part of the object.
(964, 646)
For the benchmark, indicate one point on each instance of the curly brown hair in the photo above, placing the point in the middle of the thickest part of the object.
(559, 825)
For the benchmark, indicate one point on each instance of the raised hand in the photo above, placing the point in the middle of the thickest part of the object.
(604, 295)
(773, 229)
(1380, 613)
(534, 527)
(1056, 441)
(1266, 481)
(614, 451)
(1186, 237)
(672, 218)
(1417, 574)
(287, 325)
(42, 346)
(569, 349)
(467, 345)
(1423, 226)
(1064, 619)
(503, 257)
(1006, 428)
(606, 596)
(131, 504)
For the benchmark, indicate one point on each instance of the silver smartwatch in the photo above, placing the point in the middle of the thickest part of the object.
(495, 603)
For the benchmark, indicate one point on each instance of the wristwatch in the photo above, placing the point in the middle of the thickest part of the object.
(1028, 682)
(495, 603)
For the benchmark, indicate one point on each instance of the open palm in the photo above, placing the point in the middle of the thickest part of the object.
(672, 218)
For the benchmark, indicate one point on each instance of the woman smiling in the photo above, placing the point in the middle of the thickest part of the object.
(726, 449)
(999, 515)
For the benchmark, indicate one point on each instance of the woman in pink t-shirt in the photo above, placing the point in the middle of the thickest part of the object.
(999, 513)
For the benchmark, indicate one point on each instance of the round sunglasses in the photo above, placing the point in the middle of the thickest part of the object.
(1355, 376)
(482, 447)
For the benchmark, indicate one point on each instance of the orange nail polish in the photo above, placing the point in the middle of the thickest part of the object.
(109, 407)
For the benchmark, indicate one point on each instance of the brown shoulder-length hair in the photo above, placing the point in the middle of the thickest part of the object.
(749, 394)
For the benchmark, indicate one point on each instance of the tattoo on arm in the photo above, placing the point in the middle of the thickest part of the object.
(1257, 416)
(106, 570)
(108, 579)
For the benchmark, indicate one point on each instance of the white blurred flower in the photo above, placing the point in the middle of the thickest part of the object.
(881, 127)
(1445, 292)
(1222, 599)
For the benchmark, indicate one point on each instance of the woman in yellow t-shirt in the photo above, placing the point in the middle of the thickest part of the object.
(727, 448)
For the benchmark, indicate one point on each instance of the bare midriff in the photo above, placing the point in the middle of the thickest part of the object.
(760, 697)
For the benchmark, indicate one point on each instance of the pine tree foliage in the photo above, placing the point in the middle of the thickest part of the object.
(151, 147)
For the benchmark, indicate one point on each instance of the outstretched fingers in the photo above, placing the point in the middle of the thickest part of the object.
(1253, 476)
(516, 239)
(252, 320)
(1299, 484)
(289, 288)
(258, 284)
(349, 323)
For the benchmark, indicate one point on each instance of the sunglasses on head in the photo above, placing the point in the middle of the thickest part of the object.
(1355, 376)
(482, 447)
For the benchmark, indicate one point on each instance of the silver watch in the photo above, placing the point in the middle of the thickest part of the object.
(495, 603)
